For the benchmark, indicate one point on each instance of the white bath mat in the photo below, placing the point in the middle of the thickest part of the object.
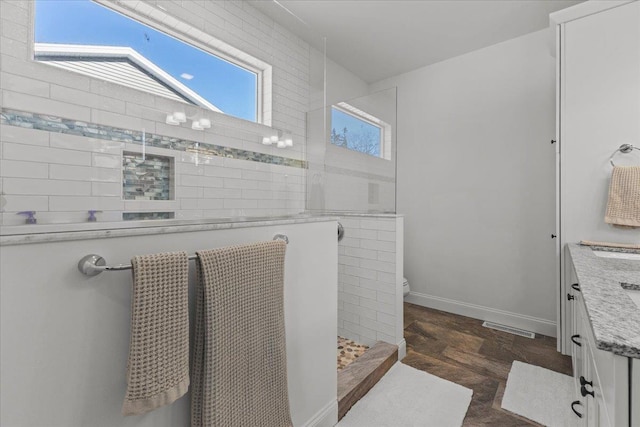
(410, 398)
(540, 395)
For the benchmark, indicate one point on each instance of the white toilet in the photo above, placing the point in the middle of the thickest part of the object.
(405, 287)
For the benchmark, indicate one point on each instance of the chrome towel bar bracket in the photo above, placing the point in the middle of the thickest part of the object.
(624, 148)
(92, 264)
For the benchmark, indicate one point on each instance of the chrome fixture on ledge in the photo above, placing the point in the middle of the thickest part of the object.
(92, 265)
(31, 216)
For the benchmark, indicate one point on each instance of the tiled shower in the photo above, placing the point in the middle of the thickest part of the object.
(79, 154)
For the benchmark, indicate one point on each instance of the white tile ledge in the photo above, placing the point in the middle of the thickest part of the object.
(21, 235)
(364, 214)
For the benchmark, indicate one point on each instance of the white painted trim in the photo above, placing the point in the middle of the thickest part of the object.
(385, 128)
(558, 39)
(325, 417)
(635, 390)
(534, 324)
(583, 9)
(402, 349)
(160, 20)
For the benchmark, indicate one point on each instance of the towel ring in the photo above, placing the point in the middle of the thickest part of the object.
(624, 148)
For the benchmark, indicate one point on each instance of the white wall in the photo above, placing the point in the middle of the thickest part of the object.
(598, 115)
(63, 176)
(476, 177)
(65, 336)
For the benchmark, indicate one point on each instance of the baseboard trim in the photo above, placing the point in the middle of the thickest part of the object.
(402, 349)
(534, 324)
(325, 417)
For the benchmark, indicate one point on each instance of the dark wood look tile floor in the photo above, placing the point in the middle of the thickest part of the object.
(461, 350)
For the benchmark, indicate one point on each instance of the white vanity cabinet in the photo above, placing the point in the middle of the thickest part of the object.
(586, 406)
(602, 379)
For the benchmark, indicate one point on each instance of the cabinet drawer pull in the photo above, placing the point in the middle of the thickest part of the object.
(583, 381)
(570, 297)
(584, 392)
(573, 339)
(577, 402)
(575, 287)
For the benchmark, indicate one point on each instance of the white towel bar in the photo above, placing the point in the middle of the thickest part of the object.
(624, 148)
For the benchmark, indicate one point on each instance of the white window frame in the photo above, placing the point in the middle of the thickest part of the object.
(160, 20)
(385, 128)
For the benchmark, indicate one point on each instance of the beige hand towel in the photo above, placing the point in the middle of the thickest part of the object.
(240, 365)
(158, 366)
(623, 207)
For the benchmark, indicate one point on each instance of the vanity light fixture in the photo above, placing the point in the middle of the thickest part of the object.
(278, 139)
(180, 116)
(268, 140)
(201, 124)
(171, 120)
(176, 118)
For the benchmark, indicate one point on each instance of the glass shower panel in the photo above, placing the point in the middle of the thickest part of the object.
(353, 169)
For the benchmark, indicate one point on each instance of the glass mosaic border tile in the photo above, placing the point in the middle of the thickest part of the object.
(144, 216)
(91, 130)
(147, 177)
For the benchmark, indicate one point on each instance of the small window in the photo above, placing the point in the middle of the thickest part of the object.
(88, 38)
(356, 130)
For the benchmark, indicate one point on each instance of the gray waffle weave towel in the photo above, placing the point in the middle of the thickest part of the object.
(623, 207)
(240, 366)
(158, 366)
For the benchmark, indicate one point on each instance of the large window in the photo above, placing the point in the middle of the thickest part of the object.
(88, 38)
(356, 130)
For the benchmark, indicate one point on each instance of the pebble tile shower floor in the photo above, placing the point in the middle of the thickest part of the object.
(348, 351)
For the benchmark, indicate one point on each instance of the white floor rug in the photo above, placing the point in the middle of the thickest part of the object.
(540, 395)
(408, 397)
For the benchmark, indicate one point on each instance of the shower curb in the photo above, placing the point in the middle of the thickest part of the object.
(360, 376)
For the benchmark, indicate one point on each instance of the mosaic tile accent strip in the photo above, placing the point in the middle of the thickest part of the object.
(147, 177)
(143, 216)
(92, 130)
(348, 351)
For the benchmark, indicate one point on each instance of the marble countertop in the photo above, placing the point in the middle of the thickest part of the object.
(363, 214)
(614, 317)
(20, 235)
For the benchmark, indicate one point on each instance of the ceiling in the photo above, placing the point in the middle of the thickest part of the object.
(376, 39)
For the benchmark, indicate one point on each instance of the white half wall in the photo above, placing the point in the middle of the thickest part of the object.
(476, 182)
(65, 336)
(370, 280)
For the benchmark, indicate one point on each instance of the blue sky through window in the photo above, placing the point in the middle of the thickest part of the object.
(231, 88)
(354, 133)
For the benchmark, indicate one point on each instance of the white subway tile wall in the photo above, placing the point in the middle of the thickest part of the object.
(62, 176)
(370, 280)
